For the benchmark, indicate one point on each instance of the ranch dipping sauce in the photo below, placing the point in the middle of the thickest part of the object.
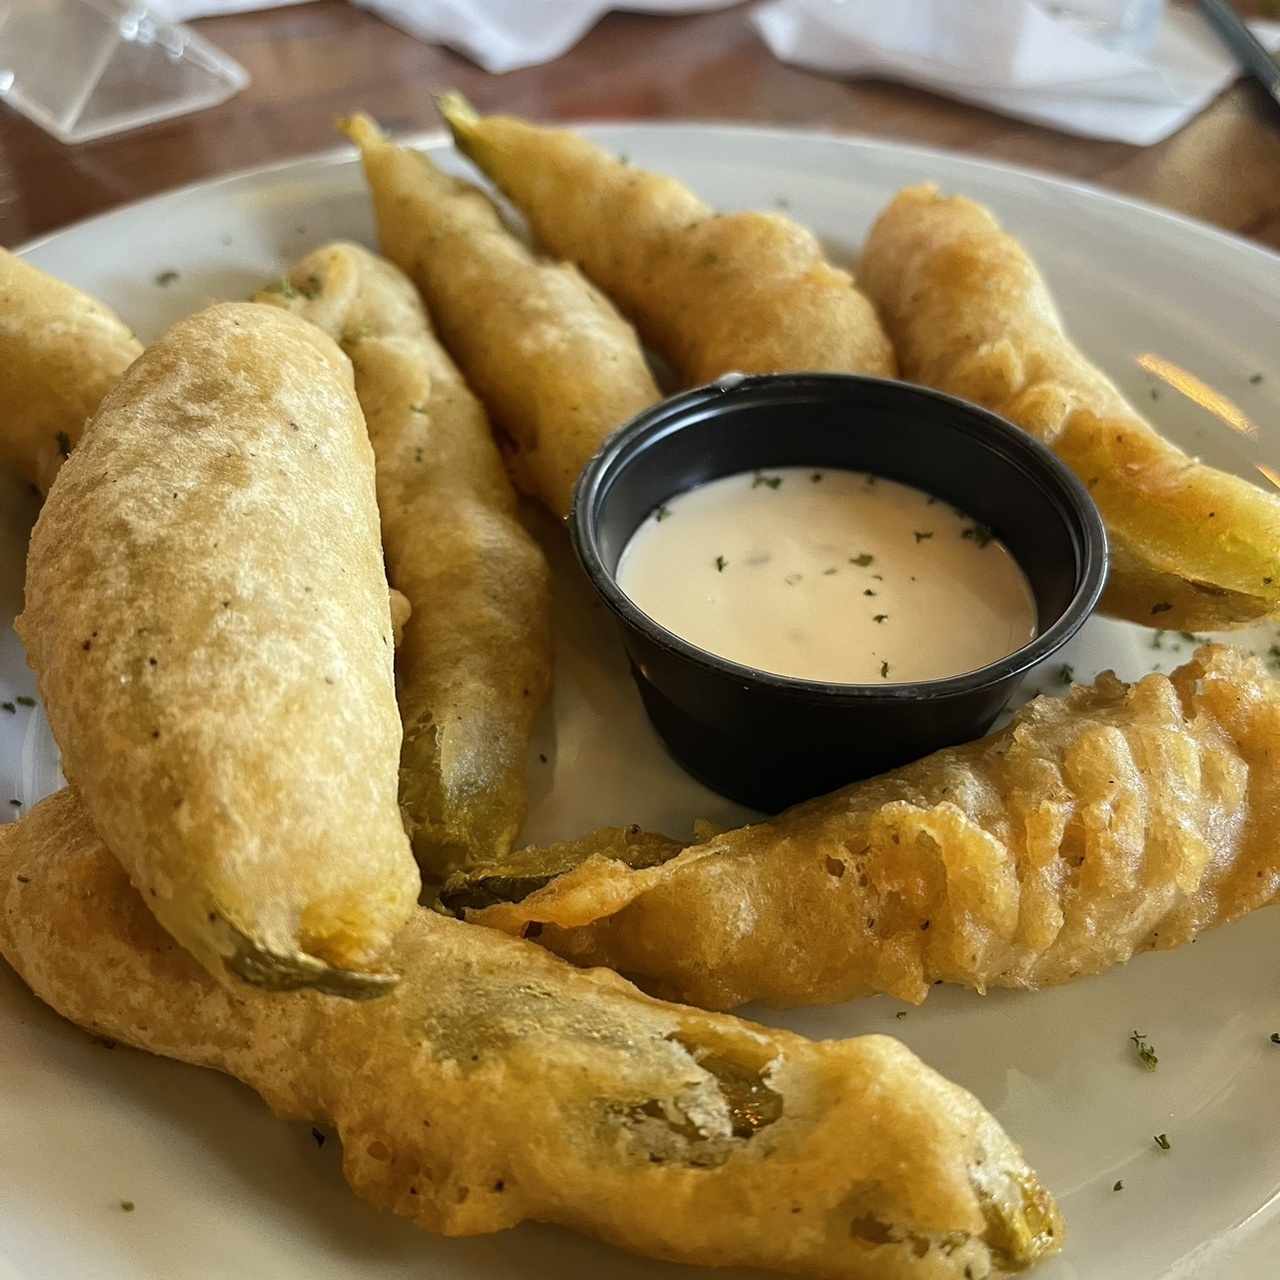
(839, 576)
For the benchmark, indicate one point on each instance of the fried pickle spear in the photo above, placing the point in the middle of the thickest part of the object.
(60, 353)
(474, 664)
(555, 364)
(713, 293)
(1118, 819)
(498, 1084)
(207, 614)
(1191, 547)
(526, 870)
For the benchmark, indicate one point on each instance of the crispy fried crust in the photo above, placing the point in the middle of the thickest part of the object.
(60, 353)
(498, 1084)
(714, 293)
(474, 665)
(555, 364)
(1192, 547)
(207, 613)
(1118, 819)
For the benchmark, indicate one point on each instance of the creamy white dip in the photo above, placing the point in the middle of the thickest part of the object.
(829, 575)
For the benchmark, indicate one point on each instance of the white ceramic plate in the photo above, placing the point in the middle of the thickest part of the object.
(222, 1190)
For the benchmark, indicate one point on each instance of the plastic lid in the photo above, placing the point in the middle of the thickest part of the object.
(84, 69)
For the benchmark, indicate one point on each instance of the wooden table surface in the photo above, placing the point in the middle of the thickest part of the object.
(312, 62)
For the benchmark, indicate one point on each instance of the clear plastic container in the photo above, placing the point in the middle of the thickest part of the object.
(84, 69)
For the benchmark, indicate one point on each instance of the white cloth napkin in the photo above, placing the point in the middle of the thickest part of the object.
(499, 35)
(185, 10)
(504, 35)
(1015, 58)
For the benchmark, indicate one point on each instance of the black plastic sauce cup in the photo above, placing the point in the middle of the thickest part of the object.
(770, 740)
